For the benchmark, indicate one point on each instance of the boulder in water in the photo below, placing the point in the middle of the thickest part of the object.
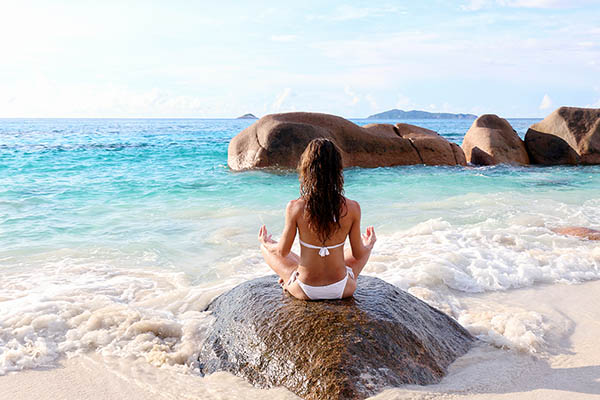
(342, 349)
(492, 140)
(278, 140)
(579, 231)
(569, 135)
(432, 148)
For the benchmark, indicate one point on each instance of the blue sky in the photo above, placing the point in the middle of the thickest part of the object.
(514, 58)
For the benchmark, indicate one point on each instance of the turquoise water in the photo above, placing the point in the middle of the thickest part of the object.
(141, 221)
(127, 183)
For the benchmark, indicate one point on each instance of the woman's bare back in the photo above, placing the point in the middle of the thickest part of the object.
(310, 267)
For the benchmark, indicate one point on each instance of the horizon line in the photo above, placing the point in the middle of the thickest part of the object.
(252, 119)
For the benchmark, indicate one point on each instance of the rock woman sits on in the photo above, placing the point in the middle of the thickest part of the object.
(323, 218)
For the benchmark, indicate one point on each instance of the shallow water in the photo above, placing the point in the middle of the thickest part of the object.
(114, 234)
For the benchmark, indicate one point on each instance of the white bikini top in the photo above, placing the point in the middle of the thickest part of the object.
(323, 250)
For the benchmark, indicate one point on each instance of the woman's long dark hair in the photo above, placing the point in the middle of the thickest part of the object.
(322, 187)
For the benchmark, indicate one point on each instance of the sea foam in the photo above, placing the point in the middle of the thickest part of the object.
(76, 304)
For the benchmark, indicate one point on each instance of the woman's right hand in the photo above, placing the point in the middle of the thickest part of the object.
(264, 237)
(369, 238)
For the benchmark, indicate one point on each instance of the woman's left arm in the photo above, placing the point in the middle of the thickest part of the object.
(284, 246)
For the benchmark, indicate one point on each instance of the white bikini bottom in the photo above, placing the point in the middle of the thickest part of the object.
(327, 292)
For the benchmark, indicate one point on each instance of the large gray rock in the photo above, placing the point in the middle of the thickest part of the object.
(492, 140)
(342, 349)
(278, 140)
(569, 135)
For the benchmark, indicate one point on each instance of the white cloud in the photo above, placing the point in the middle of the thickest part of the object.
(546, 102)
(277, 105)
(347, 13)
(446, 107)
(372, 102)
(44, 98)
(379, 59)
(475, 5)
(353, 96)
(284, 38)
(543, 3)
(403, 102)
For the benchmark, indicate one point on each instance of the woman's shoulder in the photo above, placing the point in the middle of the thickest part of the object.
(296, 205)
(352, 206)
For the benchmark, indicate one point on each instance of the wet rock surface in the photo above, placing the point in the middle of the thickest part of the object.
(580, 231)
(342, 349)
(569, 135)
(278, 140)
(492, 140)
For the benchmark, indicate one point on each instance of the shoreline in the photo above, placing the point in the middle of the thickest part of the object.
(566, 366)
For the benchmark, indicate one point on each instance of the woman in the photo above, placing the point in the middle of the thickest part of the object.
(323, 216)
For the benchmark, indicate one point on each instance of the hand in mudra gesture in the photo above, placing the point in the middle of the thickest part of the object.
(264, 237)
(369, 238)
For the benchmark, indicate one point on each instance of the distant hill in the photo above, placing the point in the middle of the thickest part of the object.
(414, 114)
(247, 116)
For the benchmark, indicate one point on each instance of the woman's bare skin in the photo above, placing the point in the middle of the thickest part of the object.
(313, 269)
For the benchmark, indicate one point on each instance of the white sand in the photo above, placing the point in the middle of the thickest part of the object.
(567, 366)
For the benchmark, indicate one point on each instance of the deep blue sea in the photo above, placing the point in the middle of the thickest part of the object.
(115, 231)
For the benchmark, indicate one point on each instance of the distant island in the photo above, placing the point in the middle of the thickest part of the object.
(414, 114)
(247, 116)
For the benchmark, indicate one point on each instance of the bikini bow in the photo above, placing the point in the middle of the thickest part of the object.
(324, 251)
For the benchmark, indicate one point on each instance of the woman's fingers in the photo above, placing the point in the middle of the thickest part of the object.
(262, 233)
(369, 237)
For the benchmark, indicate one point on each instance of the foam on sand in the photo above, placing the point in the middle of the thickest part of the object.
(70, 302)
(567, 370)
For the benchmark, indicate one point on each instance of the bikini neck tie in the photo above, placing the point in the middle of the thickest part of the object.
(324, 251)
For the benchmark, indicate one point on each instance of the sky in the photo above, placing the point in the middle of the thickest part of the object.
(222, 59)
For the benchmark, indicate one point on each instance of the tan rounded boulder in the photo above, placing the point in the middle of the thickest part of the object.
(432, 148)
(278, 140)
(569, 135)
(492, 140)
(579, 231)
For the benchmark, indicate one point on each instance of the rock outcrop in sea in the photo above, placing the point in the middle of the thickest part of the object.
(278, 140)
(247, 116)
(492, 140)
(580, 231)
(416, 114)
(342, 349)
(569, 135)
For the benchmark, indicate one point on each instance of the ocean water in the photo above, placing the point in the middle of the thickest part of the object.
(115, 234)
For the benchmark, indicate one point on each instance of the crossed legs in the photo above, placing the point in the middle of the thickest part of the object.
(283, 266)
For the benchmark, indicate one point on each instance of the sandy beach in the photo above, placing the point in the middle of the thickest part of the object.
(566, 366)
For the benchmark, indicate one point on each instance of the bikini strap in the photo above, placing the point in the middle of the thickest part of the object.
(323, 250)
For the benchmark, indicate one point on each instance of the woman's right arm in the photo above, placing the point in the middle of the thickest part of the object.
(284, 246)
(361, 244)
